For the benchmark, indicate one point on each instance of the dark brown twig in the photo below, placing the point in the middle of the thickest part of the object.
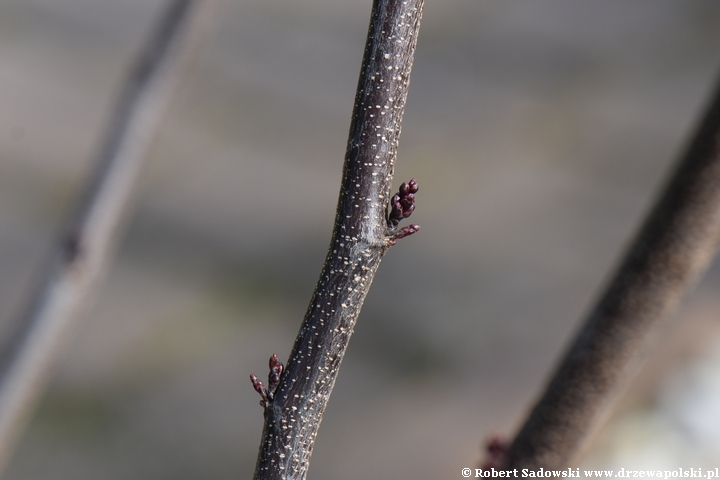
(81, 255)
(360, 237)
(673, 248)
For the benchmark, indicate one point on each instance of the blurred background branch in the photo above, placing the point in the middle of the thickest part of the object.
(673, 248)
(81, 255)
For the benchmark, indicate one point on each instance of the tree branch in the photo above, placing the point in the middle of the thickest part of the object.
(82, 253)
(673, 248)
(363, 231)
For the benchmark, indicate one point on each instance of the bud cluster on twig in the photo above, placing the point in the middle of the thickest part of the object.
(402, 203)
(267, 394)
(401, 206)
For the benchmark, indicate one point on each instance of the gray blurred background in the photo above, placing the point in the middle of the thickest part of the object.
(538, 131)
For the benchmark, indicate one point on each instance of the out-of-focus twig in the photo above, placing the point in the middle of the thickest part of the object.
(295, 400)
(83, 252)
(673, 248)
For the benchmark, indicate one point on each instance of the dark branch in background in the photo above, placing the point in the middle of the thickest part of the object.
(81, 255)
(363, 231)
(673, 248)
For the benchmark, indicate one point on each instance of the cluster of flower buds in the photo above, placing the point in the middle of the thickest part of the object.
(267, 394)
(402, 203)
(260, 388)
(276, 369)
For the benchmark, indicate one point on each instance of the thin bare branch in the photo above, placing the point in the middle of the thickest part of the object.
(673, 248)
(83, 252)
(361, 235)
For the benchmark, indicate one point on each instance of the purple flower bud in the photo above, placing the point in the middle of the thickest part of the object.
(408, 212)
(402, 233)
(276, 366)
(402, 205)
(407, 202)
(413, 186)
(410, 229)
(259, 387)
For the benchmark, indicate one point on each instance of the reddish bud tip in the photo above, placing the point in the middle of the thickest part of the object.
(276, 369)
(259, 387)
(413, 186)
(402, 233)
